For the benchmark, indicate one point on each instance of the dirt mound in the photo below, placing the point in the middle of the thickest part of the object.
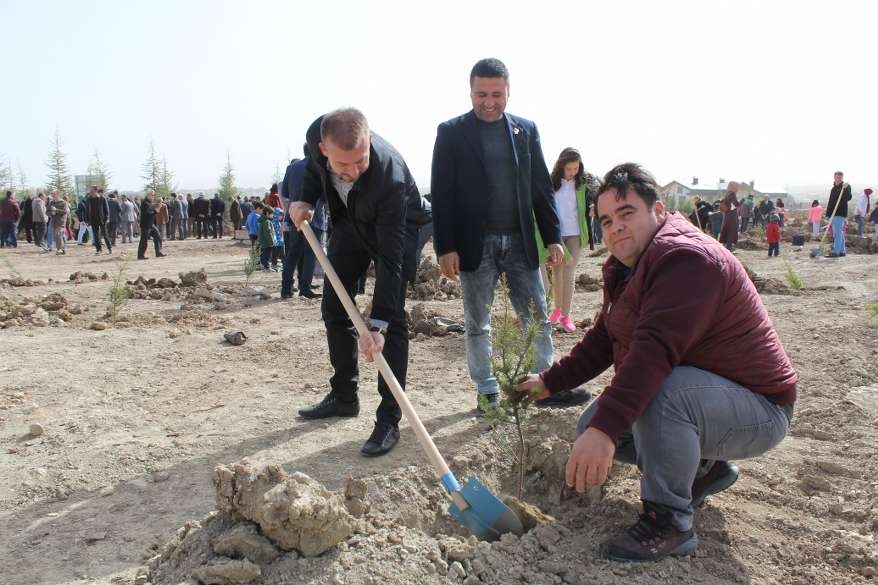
(81, 277)
(768, 285)
(424, 322)
(748, 241)
(52, 310)
(17, 281)
(194, 278)
(430, 285)
(861, 245)
(586, 283)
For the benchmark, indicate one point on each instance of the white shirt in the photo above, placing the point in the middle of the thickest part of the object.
(862, 204)
(341, 186)
(565, 203)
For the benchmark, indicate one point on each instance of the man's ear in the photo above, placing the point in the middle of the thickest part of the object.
(322, 149)
(659, 208)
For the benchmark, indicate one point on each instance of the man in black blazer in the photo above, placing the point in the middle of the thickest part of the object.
(368, 189)
(489, 186)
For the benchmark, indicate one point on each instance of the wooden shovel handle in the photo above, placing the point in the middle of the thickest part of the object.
(408, 410)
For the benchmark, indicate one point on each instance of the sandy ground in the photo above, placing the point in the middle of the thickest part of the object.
(135, 418)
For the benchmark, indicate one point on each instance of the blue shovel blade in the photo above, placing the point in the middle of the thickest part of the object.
(487, 516)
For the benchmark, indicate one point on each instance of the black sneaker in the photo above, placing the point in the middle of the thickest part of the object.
(564, 398)
(652, 538)
(308, 294)
(328, 407)
(721, 476)
(384, 437)
(491, 399)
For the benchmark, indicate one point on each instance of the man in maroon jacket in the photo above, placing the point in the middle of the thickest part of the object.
(679, 317)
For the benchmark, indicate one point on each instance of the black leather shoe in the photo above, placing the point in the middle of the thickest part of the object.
(384, 437)
(720, 477)
(310, 294)
(328, 407)
(564, 399)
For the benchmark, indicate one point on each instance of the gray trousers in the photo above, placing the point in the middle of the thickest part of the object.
(694, 416)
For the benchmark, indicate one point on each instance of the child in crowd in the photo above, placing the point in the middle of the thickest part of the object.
(252, 223)
(815, 217)
(266, 236)
(772, 234)
(277, 250)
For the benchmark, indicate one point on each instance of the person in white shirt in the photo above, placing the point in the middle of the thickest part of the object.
(571, 202)
(864, 206)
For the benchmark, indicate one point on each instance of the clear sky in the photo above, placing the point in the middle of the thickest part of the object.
(783, 93)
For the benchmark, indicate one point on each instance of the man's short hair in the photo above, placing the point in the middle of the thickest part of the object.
(346, 127)
(630, 176)
(489, 68)
(839, 173)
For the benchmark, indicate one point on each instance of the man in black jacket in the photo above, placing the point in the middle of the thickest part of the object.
(98, 212)
(201, 215)
(367, 186)
(837, 212)
(147, 227)
(217, 210)
(490, 191)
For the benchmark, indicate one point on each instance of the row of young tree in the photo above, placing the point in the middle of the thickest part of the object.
(155, 173)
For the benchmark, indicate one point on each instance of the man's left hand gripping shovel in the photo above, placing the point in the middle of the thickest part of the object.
(473, 505)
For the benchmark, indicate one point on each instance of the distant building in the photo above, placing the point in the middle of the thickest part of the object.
(714, 192)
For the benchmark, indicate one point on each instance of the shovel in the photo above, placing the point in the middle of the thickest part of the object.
(473, 505)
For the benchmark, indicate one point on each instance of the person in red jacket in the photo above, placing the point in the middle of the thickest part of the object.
(679, 317)
(772, 234)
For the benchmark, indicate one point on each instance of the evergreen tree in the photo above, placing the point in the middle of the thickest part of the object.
(227, 188)
(5, 174)
(152, 170)
(99, 172)
(166, 180)
(59, 178)
(22, 188)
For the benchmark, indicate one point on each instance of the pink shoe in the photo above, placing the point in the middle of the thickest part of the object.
(555, 316)
(568, 324)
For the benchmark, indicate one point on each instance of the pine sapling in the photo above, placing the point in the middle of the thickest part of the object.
(119, 292)
(512, 358)
(792, 277)
(251, 264)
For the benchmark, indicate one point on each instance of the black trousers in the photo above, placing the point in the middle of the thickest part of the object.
(99, 229)
(350, 260)
(145, 235)
(217, 227)
(201, 230)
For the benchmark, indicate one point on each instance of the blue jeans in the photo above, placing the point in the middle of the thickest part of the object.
(861, 224)
(695, 418)
(838, 244)
(501, 253)
(8, 233)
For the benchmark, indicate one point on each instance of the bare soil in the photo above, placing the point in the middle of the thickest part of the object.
(110, 434)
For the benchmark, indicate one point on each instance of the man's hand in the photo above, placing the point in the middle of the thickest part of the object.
(532, 383)
(371, 345)
(556, 254)
(450, 264)
(590, 460)
(299, 212)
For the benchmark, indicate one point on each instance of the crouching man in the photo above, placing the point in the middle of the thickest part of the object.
(679, 318)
